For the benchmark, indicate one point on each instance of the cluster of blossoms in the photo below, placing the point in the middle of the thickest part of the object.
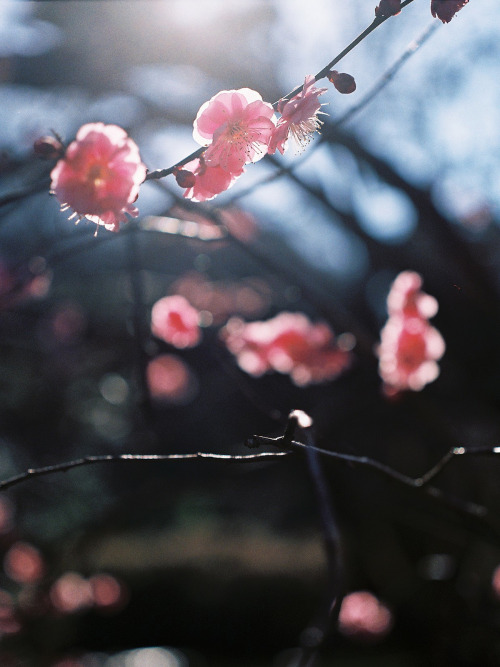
(288, 343)
(444, 10)
(239, 128)
(99, 174)
(410, 346)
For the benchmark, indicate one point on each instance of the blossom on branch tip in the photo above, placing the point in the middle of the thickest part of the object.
(236, 125)
(208, 181)
(288, 343)
(445, 10)
(99, 175)
(299, 117)
(174, 320)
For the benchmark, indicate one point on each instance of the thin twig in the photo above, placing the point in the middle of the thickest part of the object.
(466, 508)
(366, 99)
(314, 635)
(115, 458)
(388, 75)
(161, 173)
(326, 69)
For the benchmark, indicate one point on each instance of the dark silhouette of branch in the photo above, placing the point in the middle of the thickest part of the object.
(326, 69)
(435, 224)
(314, 635)
(475, 515)
(388, 75)
(33, 189)
(116, 458)
(472, 512)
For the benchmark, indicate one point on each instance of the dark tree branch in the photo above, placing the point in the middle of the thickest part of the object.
(314, 635)
(161, 173)
(116, 458)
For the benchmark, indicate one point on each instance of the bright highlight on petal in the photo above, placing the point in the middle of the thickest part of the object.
(99, 176)
(236, 125)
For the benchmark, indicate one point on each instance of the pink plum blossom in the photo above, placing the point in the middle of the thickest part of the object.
(208, 181)
(299, 117)
(170, 380)
(363, 616)
(408, 352)
(236, 125)
(406, 297)
(99, 176)
(174, 320)
(288, 343)
(410, 347)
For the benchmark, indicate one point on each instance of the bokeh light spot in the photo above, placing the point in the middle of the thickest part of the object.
(23, 563)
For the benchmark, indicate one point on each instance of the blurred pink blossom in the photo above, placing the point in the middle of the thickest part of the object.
(362, 615)
(107, 592)
(407, 299)
(71, 593)
(170, 380)
(299, 117)
(174, 320)
(100, 175)
(410, 347)
(9, 622)
(289, 343)
(208, 181)
(23, 563)
(237, 126)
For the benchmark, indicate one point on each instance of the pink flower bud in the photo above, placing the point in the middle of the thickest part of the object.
(343, 82)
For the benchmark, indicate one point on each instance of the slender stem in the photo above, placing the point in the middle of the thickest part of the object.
(161, 173)
(116, 458)
(314, 636)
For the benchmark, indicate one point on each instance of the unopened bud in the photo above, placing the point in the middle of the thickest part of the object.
(344, 83)
(185, 178)
(387, 8)
(48, 148)
(446, 9)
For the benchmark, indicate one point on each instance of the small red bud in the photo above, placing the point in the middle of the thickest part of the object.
(343, 82)
(184, 178)
(388, 8)
(48, 148)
